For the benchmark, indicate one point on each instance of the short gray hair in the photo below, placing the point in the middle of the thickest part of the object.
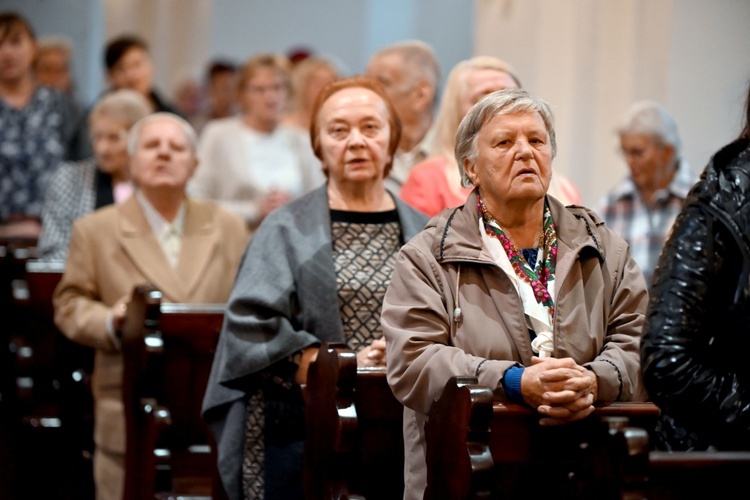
(55, 44)
(420, 61)
(652, 119)
(124, 105)
(501, 102)
(135, 132)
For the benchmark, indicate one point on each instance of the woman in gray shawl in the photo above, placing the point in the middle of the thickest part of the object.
(317, 269)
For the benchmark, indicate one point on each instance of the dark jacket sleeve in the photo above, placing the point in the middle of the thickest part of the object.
(692, 348)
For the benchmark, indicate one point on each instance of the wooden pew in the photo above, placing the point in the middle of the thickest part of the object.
(51, 372)
(168, 350)
(13, 255)
(477, 448)
(52, 407)
(354, 444)
(643, 473)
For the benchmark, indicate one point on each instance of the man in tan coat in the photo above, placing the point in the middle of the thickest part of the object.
(189, 250)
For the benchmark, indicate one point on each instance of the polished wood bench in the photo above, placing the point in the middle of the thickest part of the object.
(354, 444)
(478, 448)
(14, 252)
(51, 372)
(49, 386)
(640, 472)
(168, 350)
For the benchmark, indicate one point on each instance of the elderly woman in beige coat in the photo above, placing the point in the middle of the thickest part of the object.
(540, 302)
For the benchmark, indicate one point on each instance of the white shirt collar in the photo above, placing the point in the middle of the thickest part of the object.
(159, 224)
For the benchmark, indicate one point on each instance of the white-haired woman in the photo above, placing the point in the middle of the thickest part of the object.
(539, 301)
(78, 188)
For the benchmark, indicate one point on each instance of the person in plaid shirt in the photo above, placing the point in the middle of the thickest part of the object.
(644, 205)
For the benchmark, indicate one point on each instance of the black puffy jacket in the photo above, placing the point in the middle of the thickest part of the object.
(695, 349)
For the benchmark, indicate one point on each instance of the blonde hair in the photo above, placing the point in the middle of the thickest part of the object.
(277, 62)
(449, 116)
(300, 75)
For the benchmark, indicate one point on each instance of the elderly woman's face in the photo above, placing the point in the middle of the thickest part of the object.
(354, 136)
(109, 141)
(264, 95)
(514, 158)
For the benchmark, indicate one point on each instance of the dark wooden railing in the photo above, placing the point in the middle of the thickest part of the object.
(168, 350)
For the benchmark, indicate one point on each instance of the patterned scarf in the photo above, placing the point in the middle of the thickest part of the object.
(544, 268)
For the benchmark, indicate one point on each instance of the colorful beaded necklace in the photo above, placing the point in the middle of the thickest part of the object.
(544, 270)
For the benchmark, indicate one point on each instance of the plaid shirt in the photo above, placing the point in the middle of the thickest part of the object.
(645, 228)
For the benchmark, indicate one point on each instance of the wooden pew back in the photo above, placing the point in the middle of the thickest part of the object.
(477, 448)
(52, 373)
(14, 253)
(45, 396)
(35, 341)
(168, 351)
(642, 473)
(354, 445)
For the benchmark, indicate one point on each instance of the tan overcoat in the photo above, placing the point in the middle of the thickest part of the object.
(114, 249)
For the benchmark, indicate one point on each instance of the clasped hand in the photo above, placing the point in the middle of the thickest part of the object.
(373, 354)
(560, 389)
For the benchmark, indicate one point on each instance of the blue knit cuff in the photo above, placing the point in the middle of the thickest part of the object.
(512, 384)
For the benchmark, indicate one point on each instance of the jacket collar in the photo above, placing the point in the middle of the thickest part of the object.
(411, 221)
(199, 239)
(722, 190)
(460, 239)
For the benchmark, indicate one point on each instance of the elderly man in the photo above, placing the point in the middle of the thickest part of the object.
(410, 73)
(188, 250)
(643, 207)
